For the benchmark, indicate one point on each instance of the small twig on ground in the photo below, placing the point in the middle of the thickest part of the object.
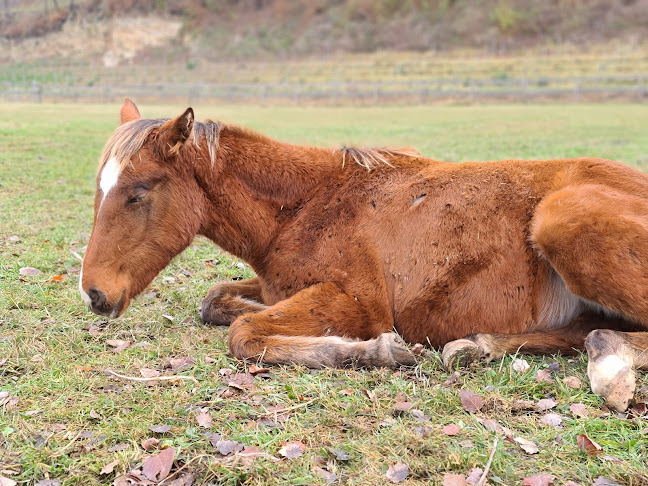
(154, 378)
(288, 409)
(77, 256)
(61, 451)
(482, 480)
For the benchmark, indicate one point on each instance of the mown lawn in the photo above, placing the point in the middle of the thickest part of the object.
(64, 417)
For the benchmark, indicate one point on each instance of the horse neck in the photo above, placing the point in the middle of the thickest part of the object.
(252, 180)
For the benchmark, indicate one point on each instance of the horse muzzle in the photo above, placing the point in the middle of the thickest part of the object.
(99, 304)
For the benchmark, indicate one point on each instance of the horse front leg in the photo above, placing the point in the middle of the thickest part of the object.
(228, 300)
(320, 326)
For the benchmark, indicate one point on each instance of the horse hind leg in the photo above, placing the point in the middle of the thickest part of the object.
(565, 340)
(596, 238)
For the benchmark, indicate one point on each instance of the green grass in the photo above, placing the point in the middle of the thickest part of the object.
(56, 369)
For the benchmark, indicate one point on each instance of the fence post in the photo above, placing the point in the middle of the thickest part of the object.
(37, 92)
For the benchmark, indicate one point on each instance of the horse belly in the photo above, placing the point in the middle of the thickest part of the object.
(455, 271)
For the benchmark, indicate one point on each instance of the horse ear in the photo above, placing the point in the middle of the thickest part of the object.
(129, 111)
(177, 131)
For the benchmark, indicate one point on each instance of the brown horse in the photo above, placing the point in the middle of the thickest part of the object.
(351, 244)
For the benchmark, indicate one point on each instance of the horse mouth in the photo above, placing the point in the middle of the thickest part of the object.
(113, 311)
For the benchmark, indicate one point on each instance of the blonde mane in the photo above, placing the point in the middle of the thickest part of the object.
(370, 158)
(129, 138)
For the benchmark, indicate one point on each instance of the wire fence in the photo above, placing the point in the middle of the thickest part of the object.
(634, 86)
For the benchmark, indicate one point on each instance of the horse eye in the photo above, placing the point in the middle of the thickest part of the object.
(136, 199)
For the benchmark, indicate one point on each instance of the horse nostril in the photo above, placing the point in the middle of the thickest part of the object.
(97, 297)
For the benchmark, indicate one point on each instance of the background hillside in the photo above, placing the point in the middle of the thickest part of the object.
(256, 29)
(323, 51)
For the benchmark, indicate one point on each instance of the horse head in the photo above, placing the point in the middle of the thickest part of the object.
(147, 208)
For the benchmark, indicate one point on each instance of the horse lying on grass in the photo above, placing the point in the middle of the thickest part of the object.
(351, 244)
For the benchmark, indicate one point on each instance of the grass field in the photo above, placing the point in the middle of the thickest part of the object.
(63, 417)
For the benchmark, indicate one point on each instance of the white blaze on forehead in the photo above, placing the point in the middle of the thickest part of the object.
(84, 296)
(109, 176)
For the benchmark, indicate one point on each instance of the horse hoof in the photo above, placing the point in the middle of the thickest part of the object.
(611, 367)
(387, 352)
(401, 355)
(614, 380)
(461, 353)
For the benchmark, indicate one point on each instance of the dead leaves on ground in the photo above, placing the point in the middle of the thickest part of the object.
(397, 472)
(471, 401)
(587, 445)
(292, 450)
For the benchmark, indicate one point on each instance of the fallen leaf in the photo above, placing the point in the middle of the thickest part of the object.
(419, 415)
(454, 480)
(492, 425)
(241, 381)
(397, 472)
(185, 479)
(118, 447)
(150, 443)
(149, 373)
(108, 468)
(118, 345)
(471, 401)
(552, 419)
(452, 379)
(520, 365)
(227, 447)
(586, 444)
(180, 363)
(58, 278)
(29, 272)
(47, 482)
(94, 415)
(254, 369)
(475, 476)
(159, 466)
(451, 429)
(538, 480)
(160, 429)
(204, 419)
(526, 445)
(4, 481)
(578, 409)
(292, 450)
(546, 404)
(424, 430)
(13, 239)
(250, 453)
(371, 395)
(544, 376)
(572, 381)
(601, 481)
(328, 476)
(340, 454)
(401, 407)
